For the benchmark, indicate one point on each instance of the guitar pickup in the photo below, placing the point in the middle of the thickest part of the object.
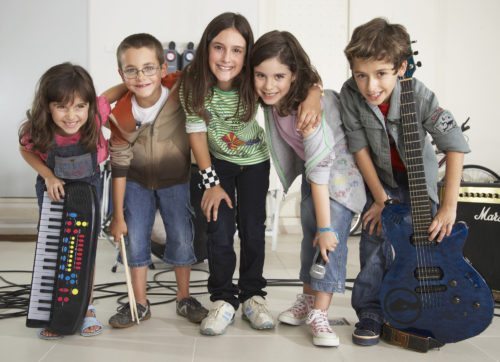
(428, 273)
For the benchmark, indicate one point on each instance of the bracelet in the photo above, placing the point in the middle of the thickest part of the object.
(209, 177)
(320, 88)
(328, 229)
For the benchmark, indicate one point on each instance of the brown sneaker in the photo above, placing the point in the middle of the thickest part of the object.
(191, 309)
(123, 319)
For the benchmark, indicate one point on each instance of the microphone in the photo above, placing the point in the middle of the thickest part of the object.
(318, 269)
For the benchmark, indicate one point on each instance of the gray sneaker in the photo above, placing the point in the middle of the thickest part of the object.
(123, 319)
(191, 309)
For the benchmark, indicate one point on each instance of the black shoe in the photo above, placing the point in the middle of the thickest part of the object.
(191, 309)
(367, 332)
(123, 319)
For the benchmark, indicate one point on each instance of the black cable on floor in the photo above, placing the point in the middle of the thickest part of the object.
(15, 296)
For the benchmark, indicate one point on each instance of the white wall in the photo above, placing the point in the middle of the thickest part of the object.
(34, 35)
(111, 21)
(456, 40)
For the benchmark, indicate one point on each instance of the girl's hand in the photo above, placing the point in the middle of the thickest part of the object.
(327, 241)
(442, 223)
(372, 218)
(55, 188)
(118, 228)
(211, 200)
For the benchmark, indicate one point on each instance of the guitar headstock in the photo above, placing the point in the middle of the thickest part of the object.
(412, 66)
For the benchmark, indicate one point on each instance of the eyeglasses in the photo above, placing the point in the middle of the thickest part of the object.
(148, 71)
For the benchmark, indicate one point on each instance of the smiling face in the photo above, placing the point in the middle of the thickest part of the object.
(272, 80)
(69, 117)
(376, 79)
(147, 89)
(226, 57)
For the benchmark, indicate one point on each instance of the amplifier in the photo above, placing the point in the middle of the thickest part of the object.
(479, 206)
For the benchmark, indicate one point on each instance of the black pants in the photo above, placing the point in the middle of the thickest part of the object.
(247, 187)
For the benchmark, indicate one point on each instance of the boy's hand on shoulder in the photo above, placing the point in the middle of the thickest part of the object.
(308, 117)
(211, 200)
(55, 188)
(372, 218)
(442, 223)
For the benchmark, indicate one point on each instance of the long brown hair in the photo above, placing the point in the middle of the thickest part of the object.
(198, 80)
(287, 49)
(61, 83)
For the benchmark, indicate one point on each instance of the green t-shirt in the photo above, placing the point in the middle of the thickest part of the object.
(229, 138)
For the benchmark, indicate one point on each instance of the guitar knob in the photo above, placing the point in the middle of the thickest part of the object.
(476, 305)
(453, 283)
(456, 300)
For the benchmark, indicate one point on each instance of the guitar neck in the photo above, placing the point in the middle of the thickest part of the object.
(419, 199)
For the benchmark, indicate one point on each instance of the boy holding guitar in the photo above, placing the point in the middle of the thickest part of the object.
(371, 111)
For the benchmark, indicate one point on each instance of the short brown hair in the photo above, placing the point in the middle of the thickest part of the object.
(379, 40)
(140, 40)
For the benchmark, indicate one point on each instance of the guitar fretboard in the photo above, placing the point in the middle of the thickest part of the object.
(419, 198)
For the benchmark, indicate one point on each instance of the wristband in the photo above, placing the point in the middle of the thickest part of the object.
(328, 229)
(209, 177)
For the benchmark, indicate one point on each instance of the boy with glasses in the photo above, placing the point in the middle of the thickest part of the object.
(150, 160)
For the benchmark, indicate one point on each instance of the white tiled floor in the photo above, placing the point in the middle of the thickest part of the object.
(168, 337)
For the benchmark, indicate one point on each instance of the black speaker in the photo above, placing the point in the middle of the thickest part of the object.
(479, 206)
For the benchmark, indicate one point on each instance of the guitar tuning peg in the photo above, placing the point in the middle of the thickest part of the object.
(419, 64)
(415, 52)
(413, 41)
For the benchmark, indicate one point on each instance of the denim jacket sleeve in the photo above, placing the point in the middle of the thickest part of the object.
(438, 122)
(350, 114)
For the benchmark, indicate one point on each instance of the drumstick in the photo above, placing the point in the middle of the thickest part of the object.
(131, 296)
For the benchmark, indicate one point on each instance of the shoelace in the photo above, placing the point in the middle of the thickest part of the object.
(193, 302)
(259, 306)
(301, 305)
(124, 308)
(319, 321)
(217, 311)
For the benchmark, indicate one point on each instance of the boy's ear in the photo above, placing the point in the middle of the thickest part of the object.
(402, 68)
(163, 70)
(121, 75)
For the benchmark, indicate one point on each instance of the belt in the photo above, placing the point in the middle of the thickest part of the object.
(407, 340)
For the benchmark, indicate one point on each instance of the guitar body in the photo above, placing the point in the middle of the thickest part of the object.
(430, 289)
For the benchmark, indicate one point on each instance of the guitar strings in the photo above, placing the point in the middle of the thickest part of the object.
(419, 218)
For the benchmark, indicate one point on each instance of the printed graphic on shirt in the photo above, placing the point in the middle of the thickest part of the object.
(233, 142)
(443, 121)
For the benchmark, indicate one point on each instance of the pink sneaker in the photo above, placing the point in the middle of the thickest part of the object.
(297, 313)
(323, 335)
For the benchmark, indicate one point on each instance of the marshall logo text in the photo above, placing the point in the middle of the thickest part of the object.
(486, 216)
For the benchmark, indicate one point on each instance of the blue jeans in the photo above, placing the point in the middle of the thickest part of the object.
(247, 187)
(175, 210)
(340, 220)
(376, 255)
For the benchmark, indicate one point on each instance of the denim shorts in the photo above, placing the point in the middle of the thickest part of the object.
(340, 219)
(176, 212)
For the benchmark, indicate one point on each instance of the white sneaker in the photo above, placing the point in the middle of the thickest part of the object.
(255, 311)
(219, 317)
(297, 313)
(323, 335)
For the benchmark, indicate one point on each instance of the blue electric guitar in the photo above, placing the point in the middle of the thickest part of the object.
(430, 289)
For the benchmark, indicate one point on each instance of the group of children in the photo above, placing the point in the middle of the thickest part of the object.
(337, 142)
